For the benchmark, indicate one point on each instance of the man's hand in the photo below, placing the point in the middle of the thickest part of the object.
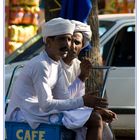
(107, 115)
(94, 101)
(86, 68)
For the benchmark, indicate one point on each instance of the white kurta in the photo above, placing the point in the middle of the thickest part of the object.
(75, 119)
(32, 92)
(67, 86)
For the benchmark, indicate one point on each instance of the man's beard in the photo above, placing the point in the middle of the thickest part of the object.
(64, 51)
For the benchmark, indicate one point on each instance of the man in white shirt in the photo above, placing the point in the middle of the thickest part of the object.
(32, 99)
(70, 70)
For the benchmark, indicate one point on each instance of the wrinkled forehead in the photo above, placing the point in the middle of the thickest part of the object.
(78, 35)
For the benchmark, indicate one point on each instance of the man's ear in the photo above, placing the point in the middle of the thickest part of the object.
(47, 40)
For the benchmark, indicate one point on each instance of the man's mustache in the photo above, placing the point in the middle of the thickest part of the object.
(63, 49)
(72, 53)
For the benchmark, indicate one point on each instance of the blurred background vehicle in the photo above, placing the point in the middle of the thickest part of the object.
(117, 46)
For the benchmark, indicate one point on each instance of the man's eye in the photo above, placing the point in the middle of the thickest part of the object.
(69, 39)
(76, 42)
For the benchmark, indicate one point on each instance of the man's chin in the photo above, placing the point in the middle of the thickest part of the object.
(64, 55)
(74, 56)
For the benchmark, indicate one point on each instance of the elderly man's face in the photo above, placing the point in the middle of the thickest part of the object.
(77, 45)
(60, 46)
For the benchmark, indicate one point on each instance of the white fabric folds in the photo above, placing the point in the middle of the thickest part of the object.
(76, 118)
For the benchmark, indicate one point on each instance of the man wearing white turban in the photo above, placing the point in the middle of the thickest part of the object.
(76, 119)
(32, 98)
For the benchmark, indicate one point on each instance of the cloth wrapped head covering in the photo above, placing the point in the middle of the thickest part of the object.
(57, 26)
(84, 29)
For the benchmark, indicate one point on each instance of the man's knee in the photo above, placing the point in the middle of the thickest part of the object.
(95, 120)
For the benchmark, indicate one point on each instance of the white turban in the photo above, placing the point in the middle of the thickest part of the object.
(57, 26)
(84, 29)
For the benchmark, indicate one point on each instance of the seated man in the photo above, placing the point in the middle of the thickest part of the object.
(32, 98)
(71, 70)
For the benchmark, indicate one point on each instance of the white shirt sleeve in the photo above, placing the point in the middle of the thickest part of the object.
(42, 86)
(77, 88)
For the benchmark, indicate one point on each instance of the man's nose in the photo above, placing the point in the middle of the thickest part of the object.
(68, 43)
(73, 46)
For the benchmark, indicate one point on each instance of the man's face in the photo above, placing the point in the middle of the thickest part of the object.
(60, 45)
(77, 45)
